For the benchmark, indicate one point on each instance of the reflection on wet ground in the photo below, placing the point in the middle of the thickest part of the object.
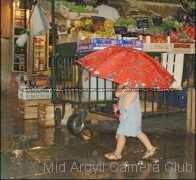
(29, 151)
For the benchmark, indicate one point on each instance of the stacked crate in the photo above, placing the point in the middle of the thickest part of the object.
(46, 115)
(43, 112)
(29, 108)
(31, 128)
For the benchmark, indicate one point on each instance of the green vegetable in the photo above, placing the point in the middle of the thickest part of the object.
(155, 30)
(125, 22)
(183, 35)
(72, 7)
(169, 23)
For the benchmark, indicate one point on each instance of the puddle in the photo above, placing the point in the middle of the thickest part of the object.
(85, 159)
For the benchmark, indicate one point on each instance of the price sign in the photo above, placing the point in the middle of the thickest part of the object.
(101, 43)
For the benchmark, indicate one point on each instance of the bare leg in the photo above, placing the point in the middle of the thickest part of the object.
(121, 140)
(144, 139)
(150, 148)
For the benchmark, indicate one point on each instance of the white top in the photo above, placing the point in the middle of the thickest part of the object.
(108, 12)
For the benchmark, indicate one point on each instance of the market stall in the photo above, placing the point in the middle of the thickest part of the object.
(79, 28)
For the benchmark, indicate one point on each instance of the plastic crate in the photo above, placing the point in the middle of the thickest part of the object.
(29, 94)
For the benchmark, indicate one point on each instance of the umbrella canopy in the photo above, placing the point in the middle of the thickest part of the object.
(121, 65)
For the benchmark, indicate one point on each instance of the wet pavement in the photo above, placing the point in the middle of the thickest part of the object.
(29, 151)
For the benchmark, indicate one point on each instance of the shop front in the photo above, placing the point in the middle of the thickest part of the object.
(78, 30)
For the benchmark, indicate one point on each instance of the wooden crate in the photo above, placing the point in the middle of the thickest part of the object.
(31, 128)
(46, 114)
(34, 94)
(29, 108)
(157, 47)
(32, 102)
(30, 112)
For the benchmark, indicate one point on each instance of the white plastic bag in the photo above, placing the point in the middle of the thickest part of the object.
(22, 39)
(39, 21)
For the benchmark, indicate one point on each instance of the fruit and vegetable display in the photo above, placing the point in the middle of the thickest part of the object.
(177, 31)
(126, 22)
(159, 38)
(189, 31)
(159, 29)
(89, 26)
(186, 34)
(107, 31)
(74, 7)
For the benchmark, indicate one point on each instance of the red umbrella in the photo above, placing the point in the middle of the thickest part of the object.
(121, 65)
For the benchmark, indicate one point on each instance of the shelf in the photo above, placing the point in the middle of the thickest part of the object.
(40, 53)
(20, 18)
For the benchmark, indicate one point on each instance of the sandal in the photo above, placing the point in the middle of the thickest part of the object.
(113, 156)
(150, 153)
